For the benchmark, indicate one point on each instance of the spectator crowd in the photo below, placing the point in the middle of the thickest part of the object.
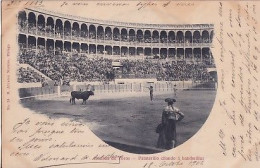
(81, 68)
(27, 75)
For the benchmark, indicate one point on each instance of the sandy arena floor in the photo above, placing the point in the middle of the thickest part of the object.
(130, 117)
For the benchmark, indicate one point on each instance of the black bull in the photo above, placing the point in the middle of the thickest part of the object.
(80, 95)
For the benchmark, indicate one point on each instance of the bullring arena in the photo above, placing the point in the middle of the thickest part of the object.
(118, 61)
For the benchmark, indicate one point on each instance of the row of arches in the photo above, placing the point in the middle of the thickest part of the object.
(48, 26)
(58, 47)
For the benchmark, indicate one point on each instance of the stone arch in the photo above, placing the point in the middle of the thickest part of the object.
(75, 29)
(139, 36)
(116, 34)
(92, 32)
(50, 25)
(124, 35)
(22, 21)
(100, 33)
(188, 37)
(84, 31)
(67, 28)
(205, 36)
(171, 37)
(59, 28)
(163, 37)
(131, 35)
(31, 23)
(108, 34)
(179, 38)
(147, 36)
(196, 37)
(155, 36)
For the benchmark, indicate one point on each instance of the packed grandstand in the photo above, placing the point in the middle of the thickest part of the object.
(68, 48)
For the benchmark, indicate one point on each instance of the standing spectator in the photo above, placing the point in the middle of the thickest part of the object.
(151, 92)
(175, 91)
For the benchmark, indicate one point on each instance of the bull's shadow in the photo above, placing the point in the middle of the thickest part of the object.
(80, 95)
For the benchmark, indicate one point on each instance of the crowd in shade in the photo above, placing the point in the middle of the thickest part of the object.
(184, 71)
(140, 68)
(93, 69)
(81, 68)
(27, 75)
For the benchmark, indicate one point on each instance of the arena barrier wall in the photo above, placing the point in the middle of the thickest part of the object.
(136, 87)
(65, 90)
(38, 91)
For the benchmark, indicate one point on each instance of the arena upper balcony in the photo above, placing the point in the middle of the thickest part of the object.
(66, 33)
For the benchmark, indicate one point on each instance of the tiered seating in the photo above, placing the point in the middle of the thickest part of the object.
(27, 75)
(81, 68)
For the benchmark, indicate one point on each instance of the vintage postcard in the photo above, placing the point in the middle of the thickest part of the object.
(130, 84)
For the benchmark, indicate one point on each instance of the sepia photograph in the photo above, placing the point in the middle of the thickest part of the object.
(130, 84)
(140, 87)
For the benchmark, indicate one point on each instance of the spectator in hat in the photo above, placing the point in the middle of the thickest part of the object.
(167, 131)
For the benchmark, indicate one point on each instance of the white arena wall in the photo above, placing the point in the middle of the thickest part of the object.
(136, 86)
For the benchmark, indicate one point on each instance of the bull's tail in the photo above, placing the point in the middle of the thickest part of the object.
(70, 100)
